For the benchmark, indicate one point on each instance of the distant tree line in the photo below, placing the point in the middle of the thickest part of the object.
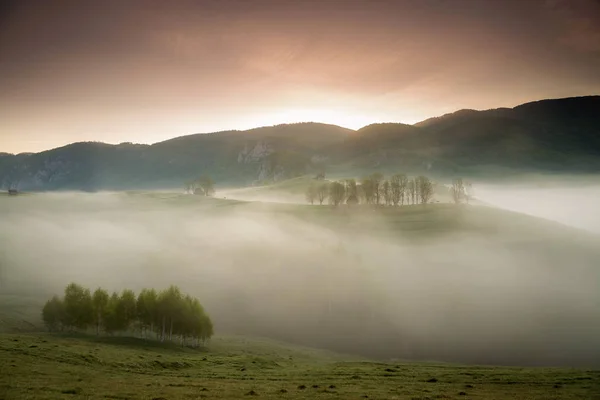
(165, 315)
(203, 186)
(373, 189)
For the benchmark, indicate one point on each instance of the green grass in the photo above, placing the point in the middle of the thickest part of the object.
(46, 366)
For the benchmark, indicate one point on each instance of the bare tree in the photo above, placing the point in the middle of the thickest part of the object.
(203, 186)
(398, 186)
(395, 189)
(351, 192)
(337, 193)
(410, 191)
(322, 192)
(468, 191)
(458, 191)
(425, 189)
(360, 194)
(311, 193)
(368, 189)
(386, 192)
(376, 180)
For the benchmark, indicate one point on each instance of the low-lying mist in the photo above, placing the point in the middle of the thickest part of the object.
(574, 205)
(258, 270)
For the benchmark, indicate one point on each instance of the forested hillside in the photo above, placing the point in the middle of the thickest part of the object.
(544, 136)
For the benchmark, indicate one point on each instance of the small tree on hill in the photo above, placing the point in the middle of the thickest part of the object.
(322, 192)
(113, 317)
(127, 309)
(146, 309)
(386, 192)
(411, 191)
(311, 193)
(337, 193)
(351, 192)
(53, 314)
(425, 189)
(368, 189)
(168, 306)
(376, 180)
(458, 191)
(205, 186)
(78, 306)
(468, 191)
(100, 308)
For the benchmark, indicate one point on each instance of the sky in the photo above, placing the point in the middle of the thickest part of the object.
(145, 71)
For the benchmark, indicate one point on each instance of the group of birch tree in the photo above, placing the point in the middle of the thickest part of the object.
(164, 315)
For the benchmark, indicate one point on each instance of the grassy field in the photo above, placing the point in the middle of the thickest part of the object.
(45, 366)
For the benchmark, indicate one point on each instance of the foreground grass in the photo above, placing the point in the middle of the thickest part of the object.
(45, 366)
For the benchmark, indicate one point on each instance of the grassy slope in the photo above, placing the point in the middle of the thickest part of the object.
(44, 366)
(35, 365)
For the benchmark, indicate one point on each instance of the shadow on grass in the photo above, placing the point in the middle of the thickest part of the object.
(129, 341)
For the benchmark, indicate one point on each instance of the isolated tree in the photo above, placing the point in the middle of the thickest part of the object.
(386, 192)
(322, 192)
(78, 306)
(425, 189)
(204, 186)
(311, 193)
(53, 313)
(99, 308)
(458, 191)
(337, 193)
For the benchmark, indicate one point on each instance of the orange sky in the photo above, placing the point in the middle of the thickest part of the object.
(145, 71)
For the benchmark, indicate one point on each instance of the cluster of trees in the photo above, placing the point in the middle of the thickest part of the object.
(164, 315)
(202, 186)
(373, 189)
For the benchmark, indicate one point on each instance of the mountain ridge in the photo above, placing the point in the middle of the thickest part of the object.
(546, 135)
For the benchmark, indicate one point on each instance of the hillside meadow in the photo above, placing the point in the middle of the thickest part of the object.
(436, 282)
(45, 366)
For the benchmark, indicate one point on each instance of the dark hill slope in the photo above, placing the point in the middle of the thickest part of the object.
(233, 156)
(548, 135)
(545, 136)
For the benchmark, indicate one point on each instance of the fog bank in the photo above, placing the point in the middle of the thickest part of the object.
(573, 205)
(322, 277)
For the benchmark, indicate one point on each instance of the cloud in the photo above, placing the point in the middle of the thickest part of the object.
(579, 22)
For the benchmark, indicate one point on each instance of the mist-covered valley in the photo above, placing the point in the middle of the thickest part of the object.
(463, 283)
